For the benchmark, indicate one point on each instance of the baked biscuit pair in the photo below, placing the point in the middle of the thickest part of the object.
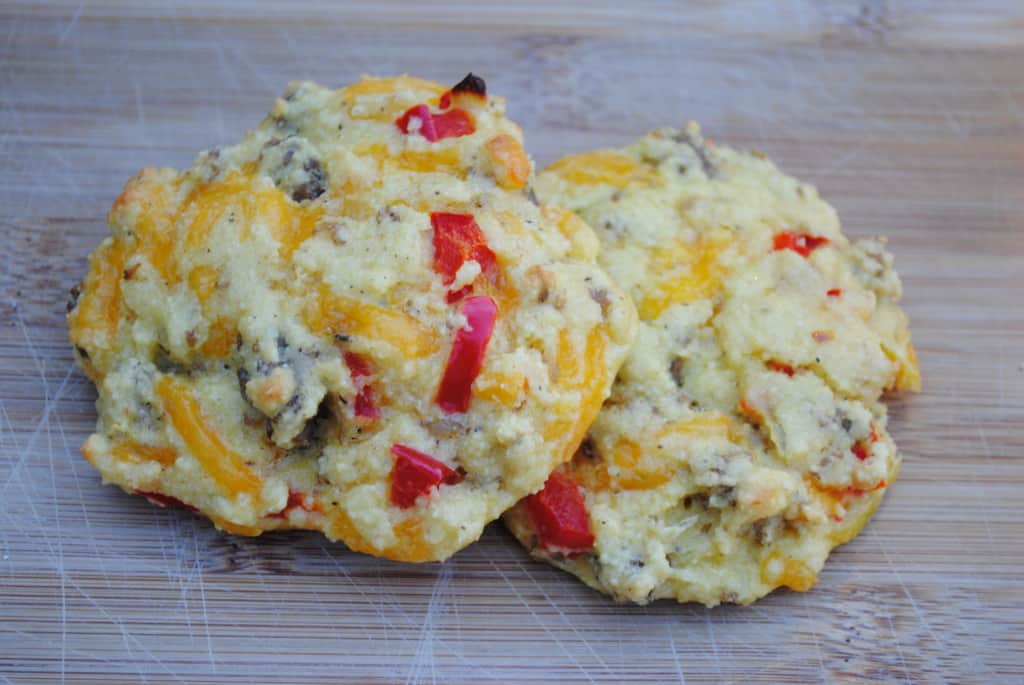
(361, 320)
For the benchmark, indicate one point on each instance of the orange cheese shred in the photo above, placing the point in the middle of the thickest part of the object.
(502, 388)
(290, 224)
(510, 164)
(95, 320)
(339, 314)
(227, 468)
(589, 381)
(409, 547)
(602, 167)
(692, 272)
(795, 574)
(137, 452)
(220, 340)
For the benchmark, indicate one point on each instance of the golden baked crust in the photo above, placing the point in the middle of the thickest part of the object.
(282, 335)
(744, 437)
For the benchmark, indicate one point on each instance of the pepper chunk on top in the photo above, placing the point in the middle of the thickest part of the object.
(415, 474)
(435, 126)
(559, 515)
(467, 356)
(457, 240)
(359, 368)
(801, 243)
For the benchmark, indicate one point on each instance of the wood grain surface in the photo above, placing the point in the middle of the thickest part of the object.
(909, 116)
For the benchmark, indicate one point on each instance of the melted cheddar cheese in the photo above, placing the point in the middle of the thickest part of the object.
(225, 466)
(604, 167)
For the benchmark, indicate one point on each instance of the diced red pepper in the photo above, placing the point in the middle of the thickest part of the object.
(801, 243)
(780, 367)
(834, 292)
(457, 240)
(164, 501)
(874, 432)
(415, 474)
(451, 124)
(359, 368)
(860, 450)
(559, 515)
(296, 500)
(467, 356)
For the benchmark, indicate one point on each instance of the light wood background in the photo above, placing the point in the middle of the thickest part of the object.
(908, 115)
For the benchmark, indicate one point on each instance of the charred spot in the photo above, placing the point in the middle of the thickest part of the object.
(677, 370)
(243, 378)
(317, 428)
(293, 402)
(342, 338)
(531, 195)
(82, 352)
(167, 364)
(292, 164)
(471, 84)
(389, 213)
(699, 500)
(544, 293)
(315, 186)
(762, 532)
(700, 150)
(847, 424)
(589, 449)
(73, 296)
(723, 497)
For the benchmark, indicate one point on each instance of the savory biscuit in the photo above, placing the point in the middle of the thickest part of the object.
(356, 320)
(744, 437)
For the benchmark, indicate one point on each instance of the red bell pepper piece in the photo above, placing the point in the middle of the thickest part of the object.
(415, 474)
(834, 292)
(780, 367)
(559, 515)
(164, 501)
(451, 124)
(801, 243)
(359, 368)
(467, 355)
(457, 240)
(296, 500)
(860, 450)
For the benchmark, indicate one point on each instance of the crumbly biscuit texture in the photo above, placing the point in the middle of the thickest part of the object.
(744, 437)
(356, 320)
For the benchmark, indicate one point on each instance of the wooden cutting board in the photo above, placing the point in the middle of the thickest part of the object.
(908, 116)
